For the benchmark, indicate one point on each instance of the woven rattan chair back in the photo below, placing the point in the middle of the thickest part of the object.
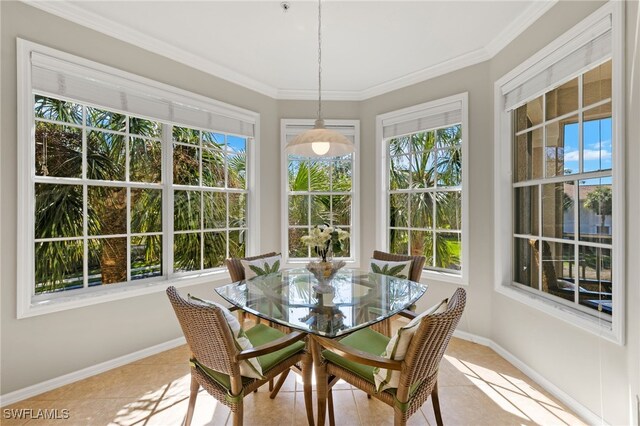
(428, 346)
(236, 270)
(207, 333)
(416, 265)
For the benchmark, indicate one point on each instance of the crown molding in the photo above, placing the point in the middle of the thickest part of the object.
(72, 12)
(517, 26)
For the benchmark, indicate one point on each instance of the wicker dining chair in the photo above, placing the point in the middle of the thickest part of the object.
(354, 357)
(417, 262)
(215, 356)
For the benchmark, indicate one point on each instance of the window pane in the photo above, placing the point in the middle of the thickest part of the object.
(562, 100)
(58, 150)
(525, 267)
(107, 261)
(320, 211)
(213, 168)
(58, 211)
(558, 210)
(146, 210)
(106, 119)
(296, 247)
(186, 252)
(106, 156)
(146, 257)
(107, 210)
(186, 165)
(422, 170)
(237, 210)
(398, 241)
(596, 284)
(398, 146)
(558, 264)
(399, 172)
(142, 127)
(526, 210)
(215, 249)
(529, 114)
(449, 167)
(448, 251)
(399, 210)
(298, 210)
(186, 210)
(145, 160)
(421, 210)
(213, 140)
(341, 179)
(422, 141)
(341, 209)
(596, 207)
(59, 266)
(597, 84)
(237, 171)
(596, 130)
(58, 110)
(215, 210)
(298, 176)
(528, 156)
(237, 243)
(449, 137)
(186, 135)
(422, 245)
(319, 175)
(561, 147)
(345, 250)
(236, 143)
(449, 210)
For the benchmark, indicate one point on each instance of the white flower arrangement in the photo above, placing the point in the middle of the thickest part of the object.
(323, 239)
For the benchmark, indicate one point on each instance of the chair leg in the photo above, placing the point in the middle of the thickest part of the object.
(237, 416)
(307, 373)
(332, 419)
(270, 385)
(279, 384)
(436, 404)
(193, 394)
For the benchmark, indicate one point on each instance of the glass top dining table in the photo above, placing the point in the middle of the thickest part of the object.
(356, 299)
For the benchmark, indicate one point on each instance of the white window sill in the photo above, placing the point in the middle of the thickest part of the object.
(430, 275)
(599, 327)
(57, 302)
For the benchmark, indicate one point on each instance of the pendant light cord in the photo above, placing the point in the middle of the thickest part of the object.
(319, 60)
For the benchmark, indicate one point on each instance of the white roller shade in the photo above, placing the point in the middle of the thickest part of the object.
(293, 130)
(447, 114)
(95, 85)
(590, 48)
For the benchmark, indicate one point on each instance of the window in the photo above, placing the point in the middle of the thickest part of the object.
(319, 191)
(560, 122)
(125, 189)
(422, 151)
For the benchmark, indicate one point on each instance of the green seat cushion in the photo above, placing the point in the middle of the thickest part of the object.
(220, 378)
(262, 334)
(365, 340)
(258, 335)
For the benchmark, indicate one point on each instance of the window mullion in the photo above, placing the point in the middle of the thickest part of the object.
(167, 200)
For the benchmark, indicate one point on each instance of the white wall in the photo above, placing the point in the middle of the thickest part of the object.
(37, 349)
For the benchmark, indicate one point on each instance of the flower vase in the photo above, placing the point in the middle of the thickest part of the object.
(324, 271)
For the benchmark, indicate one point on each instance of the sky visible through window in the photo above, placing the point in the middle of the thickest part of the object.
(597, 146)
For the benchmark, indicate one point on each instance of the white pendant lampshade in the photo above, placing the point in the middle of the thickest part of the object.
(320, 141)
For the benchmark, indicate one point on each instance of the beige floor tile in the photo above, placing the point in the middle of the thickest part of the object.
(179, 355)
(259, 409)
(375, 412)
(300, 413)
(344, 405)
(208, 411)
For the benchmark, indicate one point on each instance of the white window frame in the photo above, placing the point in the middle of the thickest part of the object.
(424, 110)
(503, 177)
(354, 239)
(28, 304)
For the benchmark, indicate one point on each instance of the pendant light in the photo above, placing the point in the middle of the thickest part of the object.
(320, 141)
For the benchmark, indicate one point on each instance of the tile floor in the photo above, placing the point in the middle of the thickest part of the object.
(477, 387)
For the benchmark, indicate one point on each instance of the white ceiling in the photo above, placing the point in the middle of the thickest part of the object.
(368, 48)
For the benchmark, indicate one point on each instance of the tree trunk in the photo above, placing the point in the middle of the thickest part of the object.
(113, 259)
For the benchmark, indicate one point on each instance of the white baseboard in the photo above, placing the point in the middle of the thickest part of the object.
(66, 379)
(587, 415)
